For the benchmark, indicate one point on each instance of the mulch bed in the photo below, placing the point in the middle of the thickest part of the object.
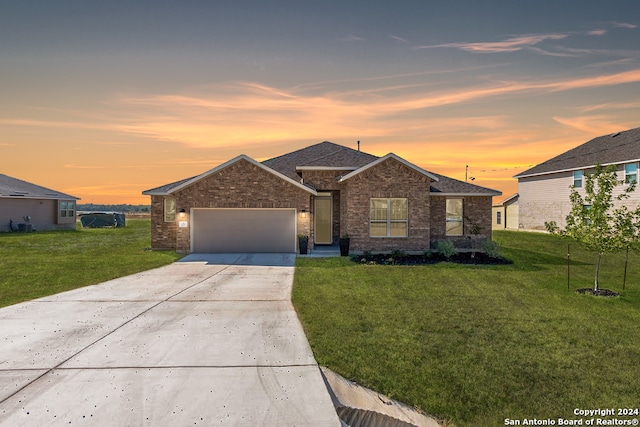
(598, 293)
(479, 258)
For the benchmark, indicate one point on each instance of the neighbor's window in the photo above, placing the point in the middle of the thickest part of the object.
(388, 218)
(498, 218)
(169, 210)
(454, 217)
(67, 209)
(631, 173)
(577, 179)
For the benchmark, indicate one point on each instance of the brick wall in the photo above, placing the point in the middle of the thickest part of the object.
(389, 179)
(240, 185)
(476, 211)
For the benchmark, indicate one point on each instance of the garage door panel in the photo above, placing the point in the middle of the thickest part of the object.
(243, 230)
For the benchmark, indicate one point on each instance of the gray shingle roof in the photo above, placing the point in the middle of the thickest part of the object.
(13, 187)
(447, 185)
(619, 147)
(166, 189)
(324, 154)
(328, 154)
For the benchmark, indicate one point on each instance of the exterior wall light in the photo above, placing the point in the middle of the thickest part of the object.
(303, 213)
(183, 213)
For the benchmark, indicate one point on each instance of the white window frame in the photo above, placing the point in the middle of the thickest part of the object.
(578, 177)
(499, 217)
(67, 209)
(633, 174)
(388, 220)
(169, 209)
(459, 220)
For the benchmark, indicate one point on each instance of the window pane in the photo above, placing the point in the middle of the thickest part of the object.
(577, 179)
(398, 209)
(398, 229)
(454, 228)
(454, 209)
(378, 229)
(169, 210)
(71, 207)
(630, 173)
(378, 209)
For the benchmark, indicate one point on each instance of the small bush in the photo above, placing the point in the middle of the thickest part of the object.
(397, 254)
(446, 248)
(491, 248)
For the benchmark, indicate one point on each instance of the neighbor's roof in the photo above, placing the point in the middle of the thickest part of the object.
(323, 155)
(17, 188)
(615, 148)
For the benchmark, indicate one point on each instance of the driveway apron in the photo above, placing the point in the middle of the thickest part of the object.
(209, 340)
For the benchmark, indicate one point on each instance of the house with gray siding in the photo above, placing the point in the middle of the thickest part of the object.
(28, 207)
(323, 191)
(544, 189)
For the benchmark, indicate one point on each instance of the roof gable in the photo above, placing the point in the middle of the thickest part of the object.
(619, 147)
(323, 155)
(13, 187)
(168, 189)
(384, 159)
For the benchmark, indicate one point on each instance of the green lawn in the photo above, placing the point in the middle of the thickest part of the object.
(43, 263)
(474, 345)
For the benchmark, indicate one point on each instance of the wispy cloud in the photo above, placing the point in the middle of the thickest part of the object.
(597, 32)
(509, 45)
(624, 25)
(593, 124)
(244, 113)
(351, 38)
(397, 38)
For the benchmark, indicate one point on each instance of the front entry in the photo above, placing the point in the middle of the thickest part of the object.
(322, 219)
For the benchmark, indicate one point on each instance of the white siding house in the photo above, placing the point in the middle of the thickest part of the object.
(544, 189)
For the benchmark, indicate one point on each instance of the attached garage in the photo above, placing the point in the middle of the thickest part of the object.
(243, 230)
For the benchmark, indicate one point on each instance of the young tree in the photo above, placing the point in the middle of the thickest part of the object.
(595, 221)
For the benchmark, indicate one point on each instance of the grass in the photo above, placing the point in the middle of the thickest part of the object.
(43, 263)
(474, 345)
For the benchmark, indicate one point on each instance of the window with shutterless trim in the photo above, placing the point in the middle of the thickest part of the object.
(631, 173)
(577, 179)
(454, 217)
(388, 217)
(169, 210)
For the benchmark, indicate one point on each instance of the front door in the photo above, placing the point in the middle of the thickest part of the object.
(323, 220)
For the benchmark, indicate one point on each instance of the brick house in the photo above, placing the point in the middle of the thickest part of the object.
(323, 191)
(544, 189)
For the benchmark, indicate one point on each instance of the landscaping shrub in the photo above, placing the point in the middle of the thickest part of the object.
(446, 248)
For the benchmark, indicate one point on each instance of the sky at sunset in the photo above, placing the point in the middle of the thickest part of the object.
(106, 99)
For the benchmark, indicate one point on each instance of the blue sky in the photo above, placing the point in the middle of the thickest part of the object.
(143, 93)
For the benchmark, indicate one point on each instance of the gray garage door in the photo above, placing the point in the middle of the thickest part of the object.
(243, 230)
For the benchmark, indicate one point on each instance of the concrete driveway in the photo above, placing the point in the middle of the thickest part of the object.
(209, 340)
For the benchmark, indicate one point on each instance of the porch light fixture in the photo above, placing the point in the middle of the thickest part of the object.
(303, 213)
(183, 213)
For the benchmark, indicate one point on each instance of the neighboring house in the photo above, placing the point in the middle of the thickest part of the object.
(323, 191)
(505, 214)
(25, 206)
(544, 189)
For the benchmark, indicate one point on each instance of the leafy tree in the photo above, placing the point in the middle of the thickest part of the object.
(595, 221)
